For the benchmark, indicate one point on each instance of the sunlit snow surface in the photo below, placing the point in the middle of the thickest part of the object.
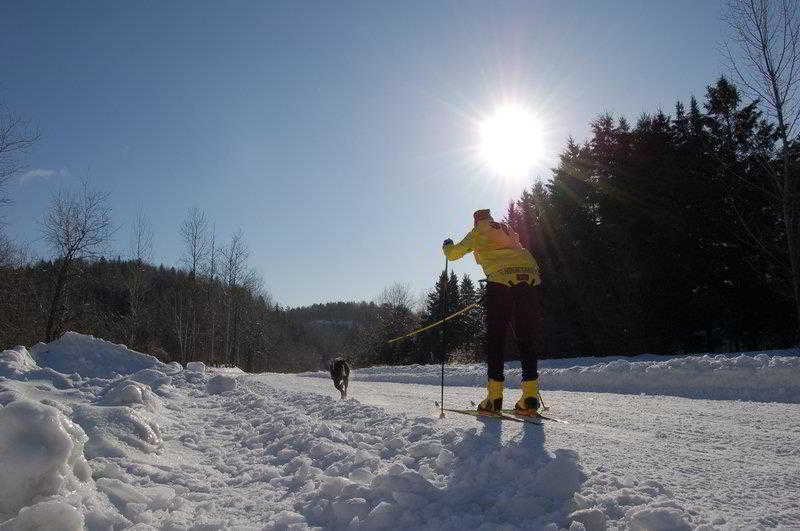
(93, 435)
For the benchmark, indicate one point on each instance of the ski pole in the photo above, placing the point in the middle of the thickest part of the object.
(544, 407)
(437, 323)
(444, 333)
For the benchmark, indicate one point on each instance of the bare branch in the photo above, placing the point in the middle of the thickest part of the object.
(141, 244)
(77, 222)
(194, 231)
(235, 259)
(397, 295)
(16, 138)
(75, 226)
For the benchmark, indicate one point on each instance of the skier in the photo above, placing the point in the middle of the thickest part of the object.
(511, 293)
(340, 374)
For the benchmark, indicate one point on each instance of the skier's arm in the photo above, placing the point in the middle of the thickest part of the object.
(456, 251)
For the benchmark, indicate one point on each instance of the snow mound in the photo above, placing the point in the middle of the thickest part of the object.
(221, 383)
(763, 377)
(607, 501)
(127, 392)
(196, 366)
(172, 368)
(136, 504)
(115, 430)
(18, 364)
(54, 515)
(152, 377)
(760, 378)
(91, 357)
(41, 454)
(15, 362)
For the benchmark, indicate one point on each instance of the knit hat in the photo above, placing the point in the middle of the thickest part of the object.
(481, 214)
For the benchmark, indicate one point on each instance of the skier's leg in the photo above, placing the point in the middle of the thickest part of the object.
(498, 310)
(528, 329)
(498, 307)
(528, 321)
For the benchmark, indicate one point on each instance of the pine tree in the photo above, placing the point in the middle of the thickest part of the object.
(472, 322)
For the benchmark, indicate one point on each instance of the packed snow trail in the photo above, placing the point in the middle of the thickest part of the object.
(734, 463)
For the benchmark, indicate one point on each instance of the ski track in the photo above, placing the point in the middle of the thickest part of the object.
(735, 464)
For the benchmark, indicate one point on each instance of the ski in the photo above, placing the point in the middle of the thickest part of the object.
(512, 413)
(499, 416)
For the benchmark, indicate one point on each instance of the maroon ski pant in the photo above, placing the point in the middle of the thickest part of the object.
(519, 305)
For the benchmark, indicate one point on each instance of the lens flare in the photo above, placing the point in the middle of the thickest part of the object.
(511, 141)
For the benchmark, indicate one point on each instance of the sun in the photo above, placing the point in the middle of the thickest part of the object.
(511, 140)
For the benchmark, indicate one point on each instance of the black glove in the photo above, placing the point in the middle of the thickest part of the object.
(447, 242)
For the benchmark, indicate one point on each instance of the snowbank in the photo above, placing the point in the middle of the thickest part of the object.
(55, 515)
(221, 383)
(42, 454)
(196, 366)
(765, 377)
(49, 429)
(91, 357)
(15, 362)
(153, 378)
(760, 378)
(117, 431)
(127, 392)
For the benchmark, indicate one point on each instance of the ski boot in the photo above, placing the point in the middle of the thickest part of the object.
(493, 403)
(528, 405)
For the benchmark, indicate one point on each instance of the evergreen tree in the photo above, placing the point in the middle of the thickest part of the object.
(472, 322)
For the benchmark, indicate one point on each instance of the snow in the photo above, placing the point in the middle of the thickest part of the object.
(119, 442)
(196, 366)
(221, 383)
(16, 362)
(46, 515)
(42, 453)
(764, 377)
(91, 357)
(128, 393)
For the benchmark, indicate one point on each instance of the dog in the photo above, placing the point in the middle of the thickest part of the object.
(340, 374)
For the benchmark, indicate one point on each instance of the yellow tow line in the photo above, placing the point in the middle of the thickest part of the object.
(437, 323)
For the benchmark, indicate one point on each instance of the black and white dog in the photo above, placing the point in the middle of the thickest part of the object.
(340, 374)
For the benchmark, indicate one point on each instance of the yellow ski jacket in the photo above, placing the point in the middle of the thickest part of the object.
(498, 251)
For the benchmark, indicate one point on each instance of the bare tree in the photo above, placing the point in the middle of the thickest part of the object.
(140, 251)
(764, 51)
(234, 270)
(213, 273)
(6, 251)
(397, 295)
(16, 138)
(141, 242)
(75, 226)
(194, 231)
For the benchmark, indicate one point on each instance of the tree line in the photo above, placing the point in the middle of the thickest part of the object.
(677, 233)
(663, 236)
(213, 309)
(659, 237)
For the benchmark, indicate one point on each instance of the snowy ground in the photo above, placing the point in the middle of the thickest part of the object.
(93, 435)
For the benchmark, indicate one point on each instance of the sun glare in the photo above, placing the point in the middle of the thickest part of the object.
(511, 141)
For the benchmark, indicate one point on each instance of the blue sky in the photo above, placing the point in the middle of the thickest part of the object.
(336, 135)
